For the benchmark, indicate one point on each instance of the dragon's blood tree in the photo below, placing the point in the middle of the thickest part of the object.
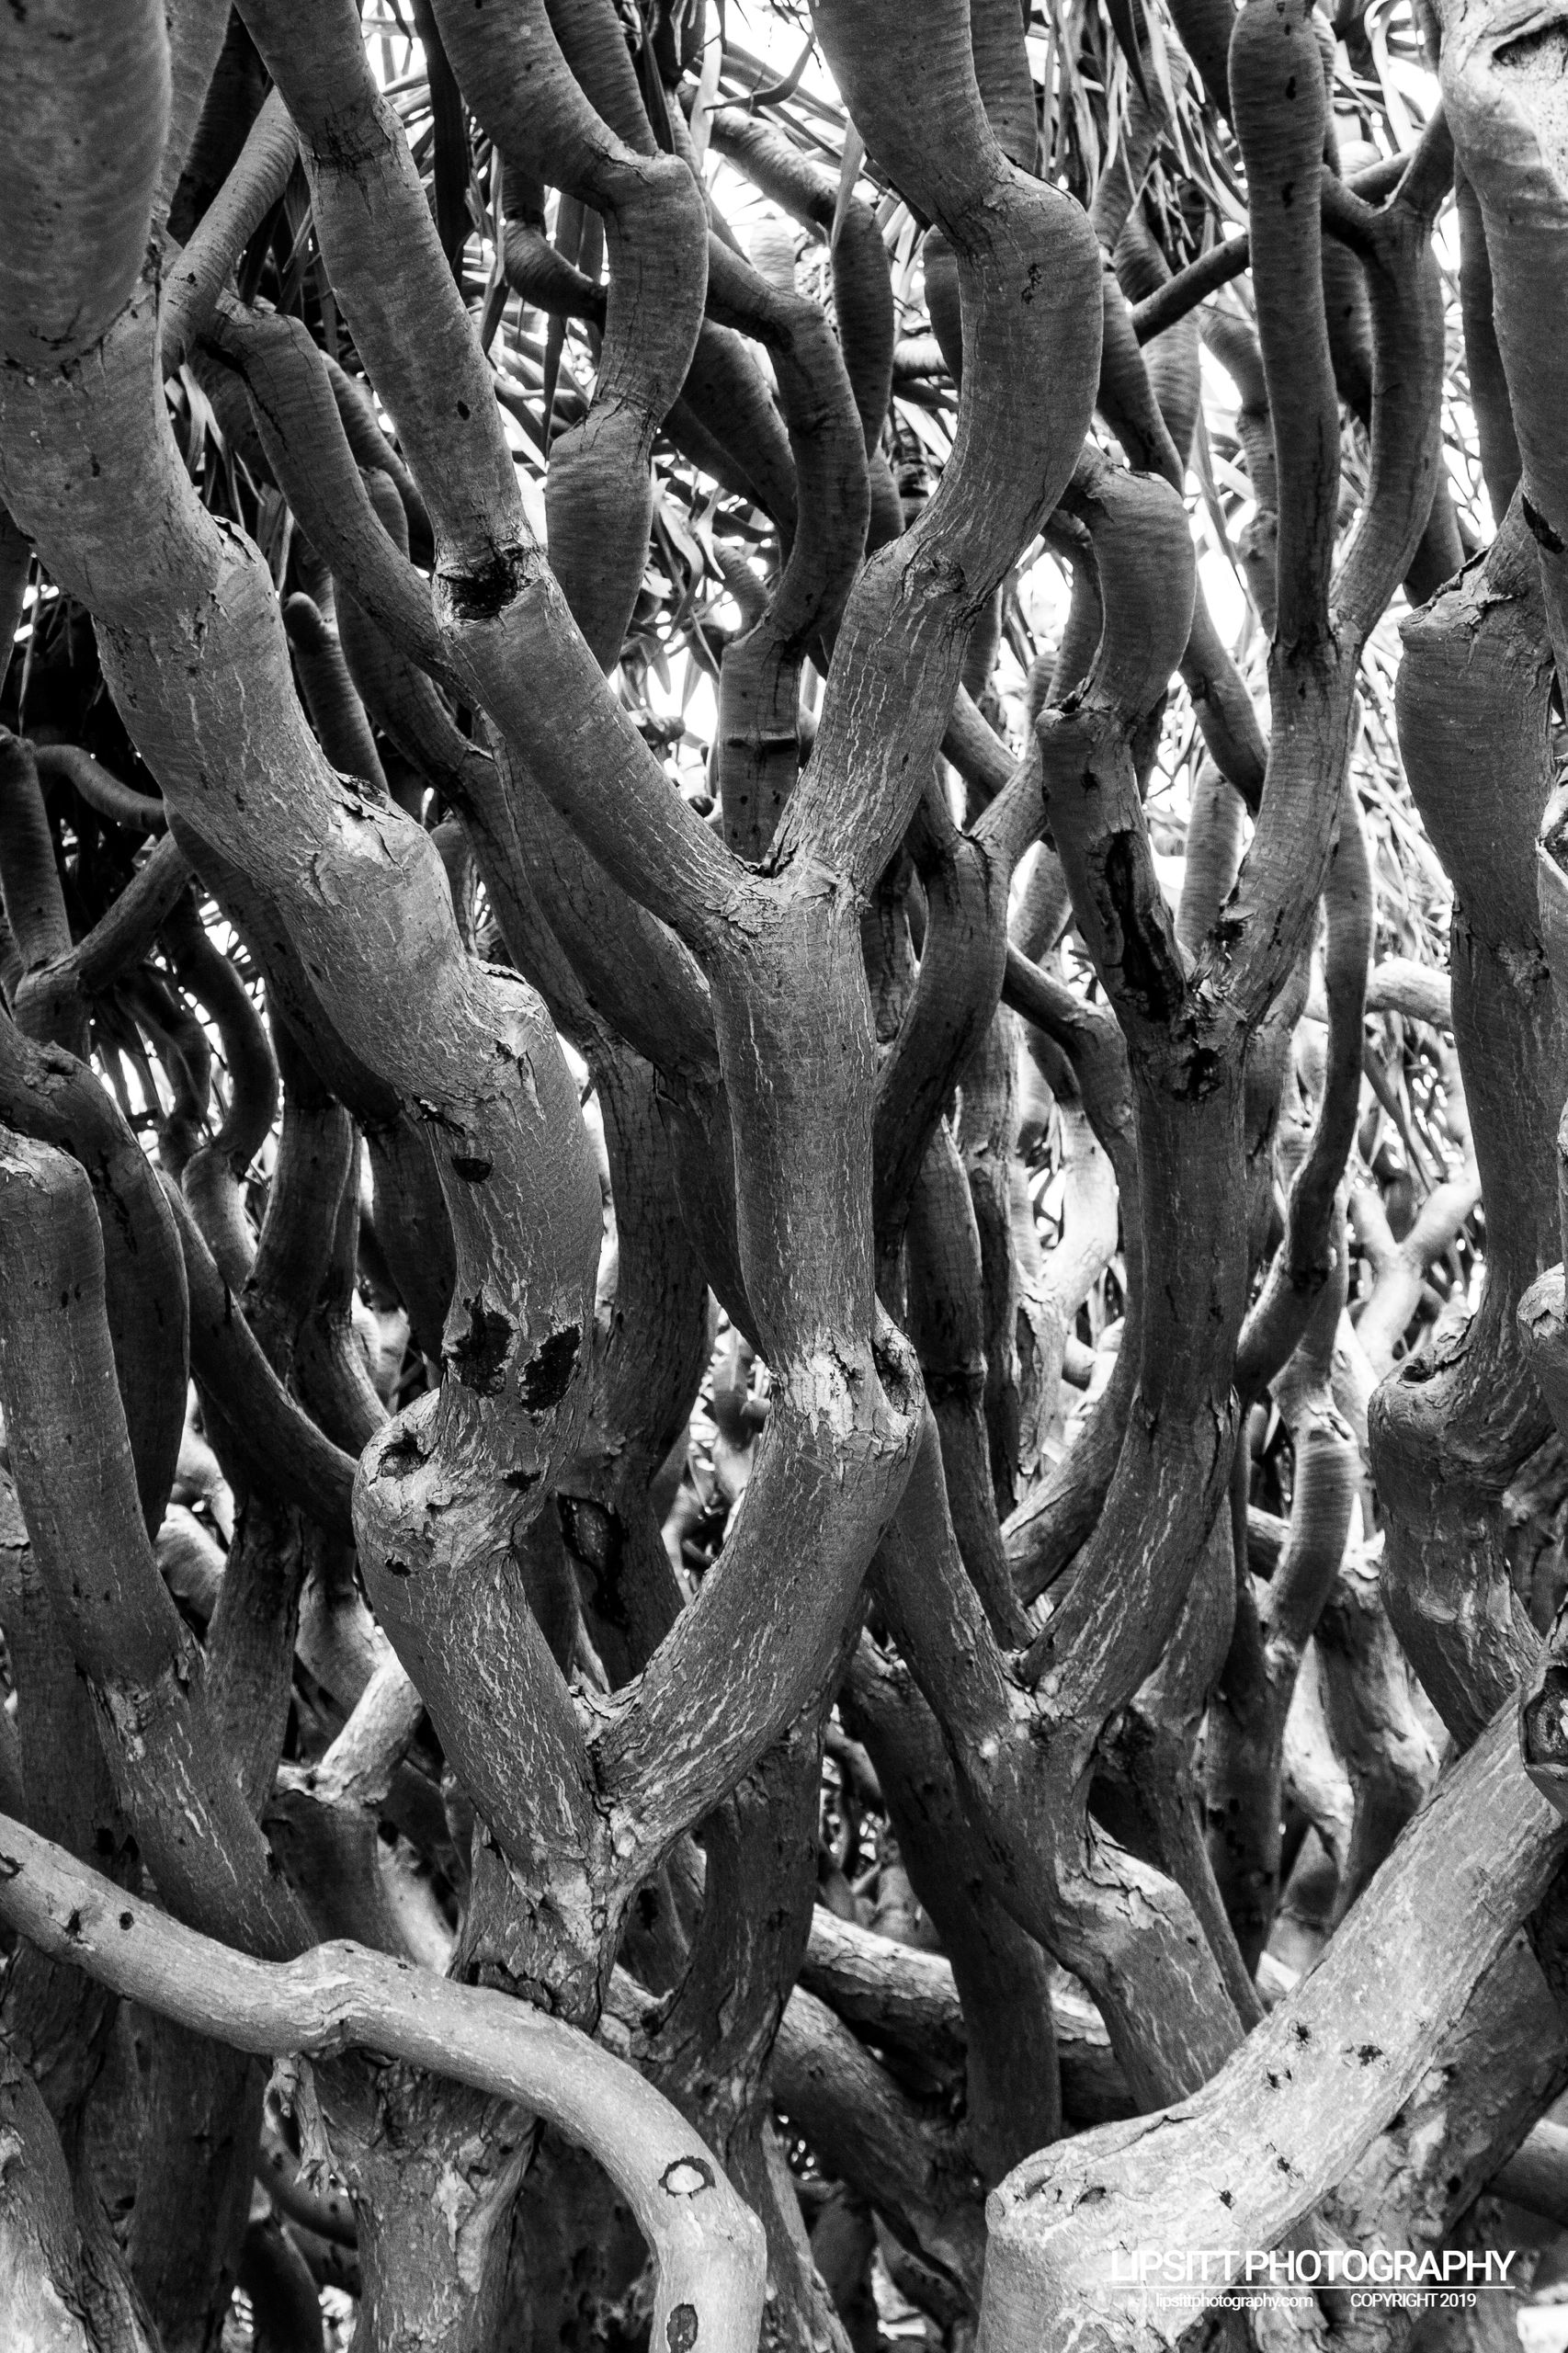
(784, 1366)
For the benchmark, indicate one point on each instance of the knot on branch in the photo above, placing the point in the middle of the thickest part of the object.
(687, 2177)
(482, 593)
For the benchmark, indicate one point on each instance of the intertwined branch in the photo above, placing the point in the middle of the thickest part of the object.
(553, 1565)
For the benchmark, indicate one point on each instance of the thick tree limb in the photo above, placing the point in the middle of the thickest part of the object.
(338, 1997)
(1311, 2086)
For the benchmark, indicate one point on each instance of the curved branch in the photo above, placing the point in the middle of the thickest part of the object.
(335, 707)
(258, 180)
(368, 439)
(1022, 1761)
(48, 1094)
(1126, 398)
(1278, 94)
(1013, 2088)
(1404, 289)
(468, 1050)
(874, 2136)
(1500, 80)
(955, 995)
(55, 999)
(1448, 1436)
(73, 1469)
(299, 420)
(946, 1321)
(214, 1176)
(1159, 311)
(757, 745)
(822, 1487)
(1027, 262)
(717, 2041)
(339, 1996)
(99, 789)
(598, 492)
(883, 1988)
(1303, 1264)
(637, 976)
(75, 242)
(1499, 461)
(126, 930)
(269, 1436)
(34, 899)
(1313, 2084)
(862, 290)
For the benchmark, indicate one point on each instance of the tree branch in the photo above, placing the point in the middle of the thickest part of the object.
(338, 1997)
